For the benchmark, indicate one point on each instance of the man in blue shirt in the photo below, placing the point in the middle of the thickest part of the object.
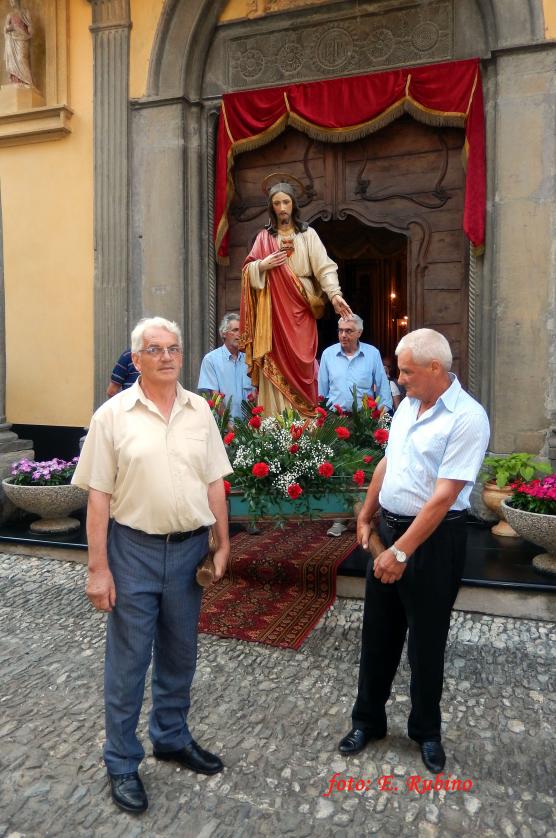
(123, 375)
(223, 370)
(350, 363)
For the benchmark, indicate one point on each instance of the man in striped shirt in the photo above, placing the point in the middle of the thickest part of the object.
(437, 442)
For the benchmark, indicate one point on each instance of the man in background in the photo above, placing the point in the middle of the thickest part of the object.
(223, 370)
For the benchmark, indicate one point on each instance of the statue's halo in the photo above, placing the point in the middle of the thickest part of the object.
(283, 177)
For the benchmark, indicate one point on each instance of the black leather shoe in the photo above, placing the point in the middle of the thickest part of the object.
(128, 792)
(433, 755)
(355, 741)
(194, 758)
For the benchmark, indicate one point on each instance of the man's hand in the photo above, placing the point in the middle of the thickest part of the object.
(387, 569)
(101, 590)
(274, 260)
(220, 559)
(340, 306)
(364, 530)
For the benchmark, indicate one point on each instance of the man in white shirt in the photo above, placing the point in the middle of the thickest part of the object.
(153, 462)
(437, 442)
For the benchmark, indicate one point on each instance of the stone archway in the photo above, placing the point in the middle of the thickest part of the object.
(172, 133)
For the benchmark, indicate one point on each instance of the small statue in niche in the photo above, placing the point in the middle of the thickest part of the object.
(18, 31)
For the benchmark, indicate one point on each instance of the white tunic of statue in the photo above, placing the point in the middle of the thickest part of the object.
(17, 33)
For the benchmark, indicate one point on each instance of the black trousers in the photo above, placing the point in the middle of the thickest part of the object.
(419, 604)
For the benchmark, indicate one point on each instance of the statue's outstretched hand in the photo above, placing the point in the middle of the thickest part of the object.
(340, 306)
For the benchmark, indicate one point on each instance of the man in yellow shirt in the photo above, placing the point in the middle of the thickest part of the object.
(153, 462)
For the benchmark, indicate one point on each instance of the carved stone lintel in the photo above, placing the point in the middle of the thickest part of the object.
(110, 31)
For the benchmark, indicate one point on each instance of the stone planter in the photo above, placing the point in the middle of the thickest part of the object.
(493, 497)
(52, 503)
(537, 528)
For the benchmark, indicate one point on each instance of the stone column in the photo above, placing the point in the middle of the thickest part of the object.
(110, 29)
(11, 447)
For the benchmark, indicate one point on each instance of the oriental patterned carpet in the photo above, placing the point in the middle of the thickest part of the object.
(277, 586)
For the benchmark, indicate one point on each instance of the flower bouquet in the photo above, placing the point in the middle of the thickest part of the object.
(54, 472)
(284, 464)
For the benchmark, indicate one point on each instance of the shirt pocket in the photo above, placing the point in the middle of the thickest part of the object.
(193, 453)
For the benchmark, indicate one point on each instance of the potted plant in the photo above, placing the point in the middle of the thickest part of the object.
(44, 488)
(531, 510)
(499, 473)
(290, 466)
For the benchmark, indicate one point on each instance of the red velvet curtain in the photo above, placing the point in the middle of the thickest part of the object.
(341, 110)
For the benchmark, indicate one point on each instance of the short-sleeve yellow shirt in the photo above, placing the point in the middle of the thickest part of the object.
(156, 472)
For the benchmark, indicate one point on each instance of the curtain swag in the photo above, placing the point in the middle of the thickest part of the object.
(342, 110)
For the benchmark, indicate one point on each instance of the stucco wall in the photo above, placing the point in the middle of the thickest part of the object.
(48, 258)
(145, 18)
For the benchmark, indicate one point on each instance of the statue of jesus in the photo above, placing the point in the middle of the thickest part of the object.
(18, 31)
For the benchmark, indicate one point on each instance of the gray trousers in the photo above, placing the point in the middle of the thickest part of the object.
(156, 614)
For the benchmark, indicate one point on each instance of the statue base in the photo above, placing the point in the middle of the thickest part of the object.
(15, 98)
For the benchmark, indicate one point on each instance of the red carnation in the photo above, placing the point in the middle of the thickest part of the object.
(342, 432)
(359, 477)
(321, 398)
(319, 422)
(339, 410)
(381, 436)
(293, 449)
(260, 470)
(326, 469)
(369, 402)
(210, 402)
(296, 431)
(255, 422)
(294, 490)
(257, 410)
(376, 414)
(251, 397)
(367, 459)
(321, 412)
(227, 487)
(229, 437)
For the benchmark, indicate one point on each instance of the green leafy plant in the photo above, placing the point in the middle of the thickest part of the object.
(504, 470)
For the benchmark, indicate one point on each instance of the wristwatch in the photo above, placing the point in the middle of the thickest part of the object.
(398, 554)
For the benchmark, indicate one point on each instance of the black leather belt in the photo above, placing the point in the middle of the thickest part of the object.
(402, 520)
(178, 536)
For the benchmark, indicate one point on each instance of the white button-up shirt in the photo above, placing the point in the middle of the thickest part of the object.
(448, 441)
(156, 472)
(221, 372)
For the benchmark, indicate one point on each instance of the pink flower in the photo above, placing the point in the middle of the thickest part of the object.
(326, 469)
(294, 490)
(260, 470)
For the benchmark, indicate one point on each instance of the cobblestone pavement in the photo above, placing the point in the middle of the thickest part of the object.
(275, 716)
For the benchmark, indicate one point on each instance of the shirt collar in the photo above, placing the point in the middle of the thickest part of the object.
(227, 354)
(135, 394)
(358, 351)
(450, 396)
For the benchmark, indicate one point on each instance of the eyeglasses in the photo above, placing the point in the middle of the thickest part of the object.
(346, 331)
(158, 351)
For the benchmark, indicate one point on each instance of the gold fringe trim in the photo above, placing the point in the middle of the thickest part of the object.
(287, 101)
(465, 155)
(429, 116)
(271, 371)
(472, 92)
(225, 115)
(353, 132)
(408, 82)
(478, 250)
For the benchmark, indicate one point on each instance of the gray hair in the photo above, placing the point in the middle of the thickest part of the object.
(353, 318)
(226, 320)
(145, 323)
(426, 346)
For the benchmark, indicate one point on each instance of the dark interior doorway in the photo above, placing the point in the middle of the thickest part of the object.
(372, 268)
